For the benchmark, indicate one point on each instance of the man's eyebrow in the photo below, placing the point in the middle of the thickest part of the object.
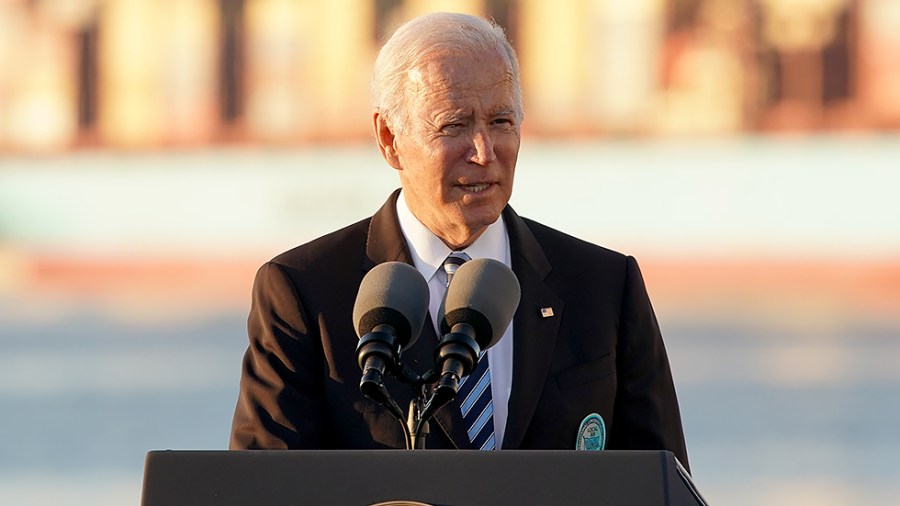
(505, 112)
(452, 117)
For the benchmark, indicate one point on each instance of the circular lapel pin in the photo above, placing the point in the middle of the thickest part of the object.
(591, 433)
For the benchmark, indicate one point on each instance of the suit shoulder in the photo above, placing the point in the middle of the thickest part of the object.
(572, 249)
(337, 247)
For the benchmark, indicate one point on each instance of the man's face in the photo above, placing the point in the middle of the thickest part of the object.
(457, 153)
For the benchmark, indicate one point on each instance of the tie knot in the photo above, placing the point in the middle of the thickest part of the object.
(452, 262)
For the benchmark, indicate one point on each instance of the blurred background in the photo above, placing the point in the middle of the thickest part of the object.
(153, 153)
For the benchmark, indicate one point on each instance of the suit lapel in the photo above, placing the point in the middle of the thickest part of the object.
(534, 332)
(386, 243)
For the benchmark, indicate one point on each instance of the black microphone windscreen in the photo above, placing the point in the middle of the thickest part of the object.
(484, 294)
(395, 294)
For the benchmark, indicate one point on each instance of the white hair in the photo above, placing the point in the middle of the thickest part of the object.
(425, 35)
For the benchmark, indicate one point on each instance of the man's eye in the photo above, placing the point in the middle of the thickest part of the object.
(451, 127)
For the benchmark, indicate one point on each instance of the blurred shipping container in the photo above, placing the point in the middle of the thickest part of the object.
(148, 74)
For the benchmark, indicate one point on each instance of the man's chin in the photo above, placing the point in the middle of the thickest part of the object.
(481, 219)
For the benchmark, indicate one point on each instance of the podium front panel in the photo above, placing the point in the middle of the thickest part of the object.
(438, 477)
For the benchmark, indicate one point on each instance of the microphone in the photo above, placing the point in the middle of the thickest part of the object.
(388, 316)
(479, 305)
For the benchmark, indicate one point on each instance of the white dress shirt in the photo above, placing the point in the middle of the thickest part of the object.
(428, 253)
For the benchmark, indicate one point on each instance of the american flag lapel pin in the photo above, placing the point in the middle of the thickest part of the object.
(546, 312)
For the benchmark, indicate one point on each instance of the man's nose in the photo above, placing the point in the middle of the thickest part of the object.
(482, 149)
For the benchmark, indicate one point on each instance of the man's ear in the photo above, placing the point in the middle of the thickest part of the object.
(386, 139)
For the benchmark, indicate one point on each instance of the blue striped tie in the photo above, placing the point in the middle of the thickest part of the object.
(477, 406)
(475, 389)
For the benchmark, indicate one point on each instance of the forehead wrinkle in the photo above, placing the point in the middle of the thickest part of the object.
(423, 84)
(441, 65)
(444, 88)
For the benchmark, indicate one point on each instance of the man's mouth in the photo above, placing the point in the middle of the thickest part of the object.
(475, 188)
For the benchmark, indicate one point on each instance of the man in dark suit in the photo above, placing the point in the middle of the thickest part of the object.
(584, 338)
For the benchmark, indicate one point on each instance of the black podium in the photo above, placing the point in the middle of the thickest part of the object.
(439, 477)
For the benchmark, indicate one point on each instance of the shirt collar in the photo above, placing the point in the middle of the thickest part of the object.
(428, 251)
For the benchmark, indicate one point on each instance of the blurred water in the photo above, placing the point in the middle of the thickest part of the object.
(115, 391)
